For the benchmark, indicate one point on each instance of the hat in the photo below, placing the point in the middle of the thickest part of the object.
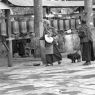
(46, 21)
(48, 39)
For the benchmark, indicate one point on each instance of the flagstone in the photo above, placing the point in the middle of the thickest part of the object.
(68, 79)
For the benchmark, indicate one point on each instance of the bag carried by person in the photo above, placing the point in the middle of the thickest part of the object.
(48, 39)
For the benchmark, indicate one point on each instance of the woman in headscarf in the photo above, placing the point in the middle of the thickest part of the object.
(86, 43)
(51, 49)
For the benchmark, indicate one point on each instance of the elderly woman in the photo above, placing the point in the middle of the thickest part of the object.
(51, 49)
(86, 43)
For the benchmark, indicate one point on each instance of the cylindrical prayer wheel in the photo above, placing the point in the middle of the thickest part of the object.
(77, 22)
(15, 27)
(73, 23)
(3, 29)
(67, 24)
(61, 25)
(30, 26)
(55, 24)
(23, 27)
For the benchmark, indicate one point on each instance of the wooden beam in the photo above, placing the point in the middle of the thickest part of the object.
(48, 3)
(63, 3)
(9, 42)
(23, 3)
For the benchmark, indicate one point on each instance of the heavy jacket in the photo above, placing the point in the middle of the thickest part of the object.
(86, 43)
(85, 34)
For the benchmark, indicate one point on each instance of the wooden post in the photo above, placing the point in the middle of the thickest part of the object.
(89, 19)
(9, 43)
(38, 29)
(89, 12)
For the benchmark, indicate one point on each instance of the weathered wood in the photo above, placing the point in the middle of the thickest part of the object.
(37, 21)
(89, 19)
(52, 3)
(38, 29)
(9, 42)
(89, 12)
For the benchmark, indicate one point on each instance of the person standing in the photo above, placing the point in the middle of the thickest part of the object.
(32, 44)
(86, 43)
(51, 49)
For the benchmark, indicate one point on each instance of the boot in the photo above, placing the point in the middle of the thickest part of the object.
(59, 62)
(87, 63)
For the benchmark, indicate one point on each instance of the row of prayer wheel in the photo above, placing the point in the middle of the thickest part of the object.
(65, 24)
(28, 26)
(17, 27)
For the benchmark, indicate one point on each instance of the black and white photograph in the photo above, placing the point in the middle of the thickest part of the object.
(47, 47)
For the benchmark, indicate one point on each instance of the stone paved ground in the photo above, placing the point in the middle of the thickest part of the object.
(64, 79)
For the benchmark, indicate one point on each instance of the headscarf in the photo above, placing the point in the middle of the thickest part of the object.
(48, 28)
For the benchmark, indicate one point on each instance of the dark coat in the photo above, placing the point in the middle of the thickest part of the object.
(86, 43)
(87, 51)
(48, 48)
(85, 33)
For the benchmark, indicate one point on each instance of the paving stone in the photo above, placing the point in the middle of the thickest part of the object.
(64, 79)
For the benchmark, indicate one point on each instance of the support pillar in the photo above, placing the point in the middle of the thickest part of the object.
(9, 42)
(38, 29)
(88, 5)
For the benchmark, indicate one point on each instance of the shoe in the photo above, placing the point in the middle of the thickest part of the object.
(51, 64)
(59, 62)
(87, 63)
(47, 65)
(36, 64)
(79, 60)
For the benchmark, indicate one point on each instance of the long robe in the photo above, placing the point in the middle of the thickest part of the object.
(87, 51)
(56, 56)
(86, 41)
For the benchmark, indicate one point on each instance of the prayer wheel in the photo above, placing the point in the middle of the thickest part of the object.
(61, 25)
(67, 25)
(3, 29)
(23, 27)
(73, 22)
(15, 27)
(55, 24)
(30, 26)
